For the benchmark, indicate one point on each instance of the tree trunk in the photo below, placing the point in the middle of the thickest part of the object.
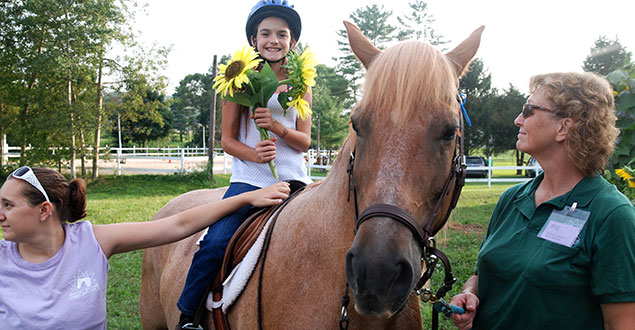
(82, 149)
(3, 141)
(318, 137)
(70, 110)
(24, 128)
(100, 105)
(69, 100)
(519, 161)
(212, 124)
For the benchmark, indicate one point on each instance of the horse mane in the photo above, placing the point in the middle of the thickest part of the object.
(409, 77)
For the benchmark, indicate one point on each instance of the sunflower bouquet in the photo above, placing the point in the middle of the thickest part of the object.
(240, 82)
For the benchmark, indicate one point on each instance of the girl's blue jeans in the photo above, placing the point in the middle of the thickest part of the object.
(209, 258)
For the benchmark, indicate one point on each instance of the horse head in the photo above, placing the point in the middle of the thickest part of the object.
(405, 138)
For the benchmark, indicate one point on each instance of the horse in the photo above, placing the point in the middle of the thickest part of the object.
(400, 154)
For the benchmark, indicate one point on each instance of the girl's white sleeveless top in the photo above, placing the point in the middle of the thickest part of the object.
(289, 162)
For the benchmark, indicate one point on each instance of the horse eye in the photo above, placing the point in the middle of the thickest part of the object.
(355, 127)
(449, 134)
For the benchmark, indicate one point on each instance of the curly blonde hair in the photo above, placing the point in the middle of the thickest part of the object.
(587, 99)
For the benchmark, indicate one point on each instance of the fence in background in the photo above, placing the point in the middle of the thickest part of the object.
(182, 158)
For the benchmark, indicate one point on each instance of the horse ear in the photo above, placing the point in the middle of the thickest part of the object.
(462, 55)
(361, 46)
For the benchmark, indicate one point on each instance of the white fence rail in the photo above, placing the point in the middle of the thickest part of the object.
(489, 178)
(183, 158)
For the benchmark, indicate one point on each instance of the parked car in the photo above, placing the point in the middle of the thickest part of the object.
(532, 173)
(475, 161)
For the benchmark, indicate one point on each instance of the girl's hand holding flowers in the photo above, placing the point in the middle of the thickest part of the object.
(265, 151)
(263, 118)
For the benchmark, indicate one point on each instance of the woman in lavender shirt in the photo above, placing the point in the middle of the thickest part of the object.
(53, 270)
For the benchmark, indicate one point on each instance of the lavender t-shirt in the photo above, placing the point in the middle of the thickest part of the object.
(67, 291)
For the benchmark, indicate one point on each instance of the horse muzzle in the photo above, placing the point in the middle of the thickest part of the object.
(382, 267)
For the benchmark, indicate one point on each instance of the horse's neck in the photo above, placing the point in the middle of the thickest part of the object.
(335, 189)
(324, 209)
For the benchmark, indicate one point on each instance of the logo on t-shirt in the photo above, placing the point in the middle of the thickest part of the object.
(82, 284)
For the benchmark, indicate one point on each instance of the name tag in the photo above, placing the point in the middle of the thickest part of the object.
(564, 226)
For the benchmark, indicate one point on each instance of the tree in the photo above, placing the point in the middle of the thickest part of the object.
(606, 56)
(110, 26)
(330, 99)
(329, 125)
(476, 85)
(145, 115)
(419, 25)
(191, 102)
(52, 57)
(372, 20)
(337, 85)
(502, 111)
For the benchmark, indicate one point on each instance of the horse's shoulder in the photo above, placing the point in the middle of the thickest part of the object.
(189, 200)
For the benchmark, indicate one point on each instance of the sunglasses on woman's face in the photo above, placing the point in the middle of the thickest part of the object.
(26, 173)
(528, 110)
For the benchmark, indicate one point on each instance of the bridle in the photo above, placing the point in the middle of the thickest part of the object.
(424, 236)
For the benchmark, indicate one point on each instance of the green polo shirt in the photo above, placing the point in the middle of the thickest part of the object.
(526, 282)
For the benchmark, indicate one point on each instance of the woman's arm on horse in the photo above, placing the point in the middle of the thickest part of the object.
(124, 237)
(468, 300)
(618, 316)
(298, 138)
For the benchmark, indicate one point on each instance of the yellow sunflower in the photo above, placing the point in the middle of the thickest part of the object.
(626, 176)
(308, 62)
(301, 105)
(234, 74)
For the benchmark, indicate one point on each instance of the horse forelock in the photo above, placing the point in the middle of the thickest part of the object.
(408, 79)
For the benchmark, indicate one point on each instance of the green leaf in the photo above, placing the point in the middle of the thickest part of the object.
(617, 77)
(622, 150)
(283, 98)
(268, 85)
(625, 101)
(241, 98)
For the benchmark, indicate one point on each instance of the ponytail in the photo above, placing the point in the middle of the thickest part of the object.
(77, 200)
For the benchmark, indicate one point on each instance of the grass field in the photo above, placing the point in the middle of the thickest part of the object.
(137, 198)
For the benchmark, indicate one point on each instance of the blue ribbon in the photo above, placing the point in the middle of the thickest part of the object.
(462, 99)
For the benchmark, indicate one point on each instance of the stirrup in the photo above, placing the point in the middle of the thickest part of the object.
(191, 326)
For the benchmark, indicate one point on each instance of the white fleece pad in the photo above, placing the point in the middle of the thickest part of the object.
(238, 278)
(198, 241)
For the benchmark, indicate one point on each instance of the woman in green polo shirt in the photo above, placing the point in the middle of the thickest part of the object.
(559, 252)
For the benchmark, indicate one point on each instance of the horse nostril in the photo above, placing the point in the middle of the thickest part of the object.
(350, 274)
(404, 277)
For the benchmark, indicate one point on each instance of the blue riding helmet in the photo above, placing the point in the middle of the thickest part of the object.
(277, 8)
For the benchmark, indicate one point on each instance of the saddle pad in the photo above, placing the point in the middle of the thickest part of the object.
(239, 276)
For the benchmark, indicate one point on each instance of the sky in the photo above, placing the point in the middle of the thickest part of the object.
(521, 38)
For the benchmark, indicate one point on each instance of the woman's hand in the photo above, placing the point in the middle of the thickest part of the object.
(468, 301)
(263, 118)
(272, 195)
